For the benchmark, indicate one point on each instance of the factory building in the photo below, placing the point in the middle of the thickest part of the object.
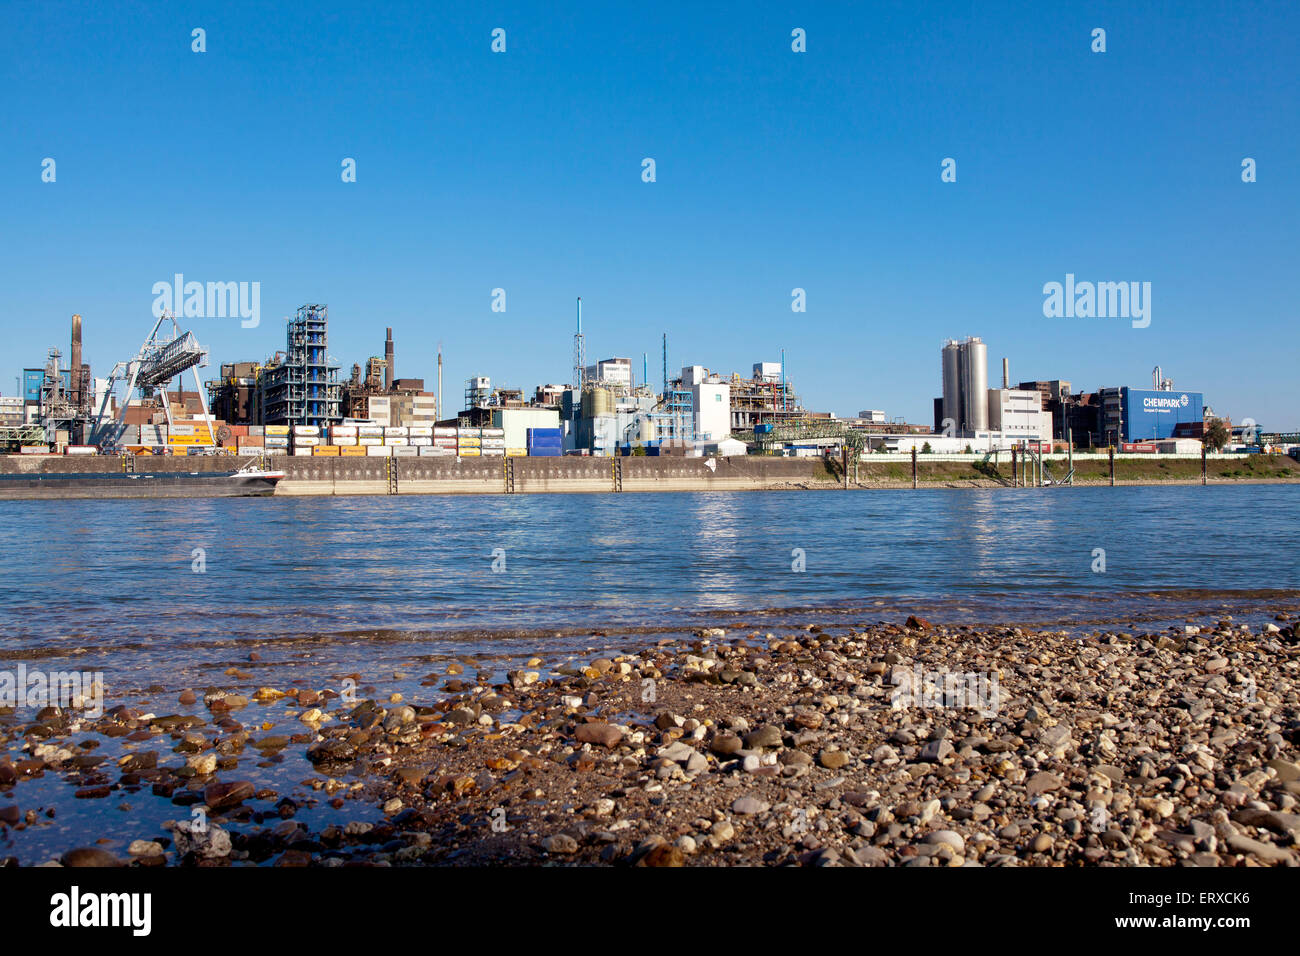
(233, 396)
(1142, 414)
(517, 422)
(302, 388)
(711, 399)
(1018, 414)
(613, 371)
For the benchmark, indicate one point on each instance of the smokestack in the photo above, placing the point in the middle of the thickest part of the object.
(75, 359)
(1006, 373)
(389, 358)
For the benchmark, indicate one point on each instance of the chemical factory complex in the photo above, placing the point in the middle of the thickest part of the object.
(296, 403)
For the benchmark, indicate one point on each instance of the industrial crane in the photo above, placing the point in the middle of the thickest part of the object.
(161, 358)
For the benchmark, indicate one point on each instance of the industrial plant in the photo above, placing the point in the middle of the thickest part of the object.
(293, 402)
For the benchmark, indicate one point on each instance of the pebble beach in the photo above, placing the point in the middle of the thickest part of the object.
(877, 744)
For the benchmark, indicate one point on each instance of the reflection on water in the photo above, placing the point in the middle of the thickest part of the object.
(117, 572)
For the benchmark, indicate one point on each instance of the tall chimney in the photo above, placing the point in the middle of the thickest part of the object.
(389, 354)
(75, 360)
(1006, 373)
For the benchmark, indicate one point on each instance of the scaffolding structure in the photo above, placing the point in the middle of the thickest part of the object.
(303, 389)
(58, 411)
(757, 401)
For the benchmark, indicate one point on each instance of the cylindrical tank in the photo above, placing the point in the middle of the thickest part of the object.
(952, 382)
(597, 401)
(977, 394)
(645, 430)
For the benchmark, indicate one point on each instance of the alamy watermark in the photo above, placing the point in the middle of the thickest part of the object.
(1101, 300)
(943, 689)
(215, 300)
(69, 689)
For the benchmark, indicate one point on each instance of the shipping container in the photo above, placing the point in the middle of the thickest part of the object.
(352, 451)
(395, 431)
(343, 431)
(395, 440)
(34, 450)
(325, 451)
(421, 441)
(81, 450)
(435, 451)
(370, 441)
(516, 452)
(444, 431)
(379, 451)
(467, 441)
(420, 431)
(493, 432)
(305, 441)
(276, 430)
(302, 452)
(545, 453)
(470, 432)
(468, 452)
(256, 430)
(405, 451)
(493, 452)
(370, 431)
(342, 440)
(494, 443)
(308, 430)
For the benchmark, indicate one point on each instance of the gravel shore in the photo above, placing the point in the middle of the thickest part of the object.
(876, 745)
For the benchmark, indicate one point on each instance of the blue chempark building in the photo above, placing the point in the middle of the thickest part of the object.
(1149, 414)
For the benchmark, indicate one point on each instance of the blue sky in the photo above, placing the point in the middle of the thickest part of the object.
(775, 170)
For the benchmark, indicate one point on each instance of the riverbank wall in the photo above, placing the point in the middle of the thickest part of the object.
(321, 476)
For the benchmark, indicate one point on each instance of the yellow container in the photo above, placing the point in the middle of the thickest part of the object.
(469, 453)
(516, 452)
(468, 442)
(325, 451)
(276, 430)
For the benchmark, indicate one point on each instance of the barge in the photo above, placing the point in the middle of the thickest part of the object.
(245, 482)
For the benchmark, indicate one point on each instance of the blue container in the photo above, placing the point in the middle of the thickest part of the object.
(545, 452)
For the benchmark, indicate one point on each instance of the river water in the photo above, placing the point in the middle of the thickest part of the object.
(162, 595)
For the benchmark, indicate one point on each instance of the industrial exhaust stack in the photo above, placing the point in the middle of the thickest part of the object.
(1006, 372)
(389, 360)
(579, 352)
(75, 359)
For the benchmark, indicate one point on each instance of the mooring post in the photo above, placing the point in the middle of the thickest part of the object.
(1015, 475)
(1204, 464)
(913, 467)
(1111, 449)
